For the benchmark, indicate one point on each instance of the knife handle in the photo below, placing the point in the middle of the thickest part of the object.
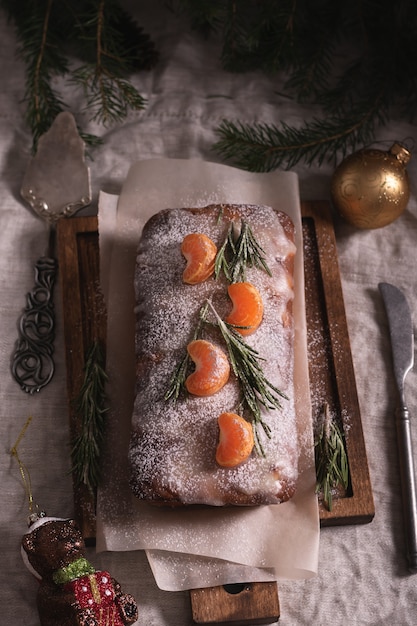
(32, 364)
(408, 484)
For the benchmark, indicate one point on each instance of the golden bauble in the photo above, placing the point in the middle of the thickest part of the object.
(370, 188)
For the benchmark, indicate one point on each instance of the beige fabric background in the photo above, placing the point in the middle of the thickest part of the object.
(362, 576)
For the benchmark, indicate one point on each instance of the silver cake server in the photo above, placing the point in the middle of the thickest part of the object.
(56, 185)
(402, 342)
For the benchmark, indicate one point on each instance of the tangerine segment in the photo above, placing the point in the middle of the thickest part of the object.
(212, 368)
(235, 440)
(247, 308)
(200, 253)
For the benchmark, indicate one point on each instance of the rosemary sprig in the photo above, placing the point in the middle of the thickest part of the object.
(91, 409)
(221, 263)
(256, 389)
(248, 254)
(237, 254)
(332, 467)
(176, 384)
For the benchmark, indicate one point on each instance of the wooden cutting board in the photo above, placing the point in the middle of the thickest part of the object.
(331, 374)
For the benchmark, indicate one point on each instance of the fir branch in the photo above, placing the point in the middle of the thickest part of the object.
(206, 16)
(333, 55)
(125, 45)
(102, 35)
(41, 53)
(310, 76)
(332, 469)
(108, 94)
(265, 147)
(91, 411)
(109, 98)
(259, 36)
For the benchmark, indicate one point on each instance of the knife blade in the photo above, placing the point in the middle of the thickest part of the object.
(402, 344)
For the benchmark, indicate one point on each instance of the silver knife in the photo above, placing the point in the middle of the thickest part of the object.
(402, 342)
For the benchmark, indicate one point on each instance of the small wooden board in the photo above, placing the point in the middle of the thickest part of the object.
(331, 370)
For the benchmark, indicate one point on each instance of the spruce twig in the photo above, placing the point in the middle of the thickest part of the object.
(41, 53)
(265, 147)
(332, 55)
(109, 95)
(91, 410)
(100, 34)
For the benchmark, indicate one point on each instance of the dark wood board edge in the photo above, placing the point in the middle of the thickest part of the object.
(357, 505)
(84, 321)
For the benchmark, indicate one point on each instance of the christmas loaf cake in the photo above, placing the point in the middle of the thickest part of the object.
(214, 418)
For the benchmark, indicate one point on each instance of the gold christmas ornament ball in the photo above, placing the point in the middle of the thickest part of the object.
(370, 188)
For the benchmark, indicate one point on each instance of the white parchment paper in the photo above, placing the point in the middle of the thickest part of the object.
(190, 548)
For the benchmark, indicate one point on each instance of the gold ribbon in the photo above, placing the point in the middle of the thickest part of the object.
(23, 469)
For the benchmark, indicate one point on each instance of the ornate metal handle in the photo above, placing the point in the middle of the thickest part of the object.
(33, 365)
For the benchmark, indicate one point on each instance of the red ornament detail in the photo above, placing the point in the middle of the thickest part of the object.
(96, 592)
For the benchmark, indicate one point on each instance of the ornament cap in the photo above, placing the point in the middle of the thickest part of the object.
(35, 516)
(400, 153)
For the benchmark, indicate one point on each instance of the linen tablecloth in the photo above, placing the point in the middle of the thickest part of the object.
(362, 578)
